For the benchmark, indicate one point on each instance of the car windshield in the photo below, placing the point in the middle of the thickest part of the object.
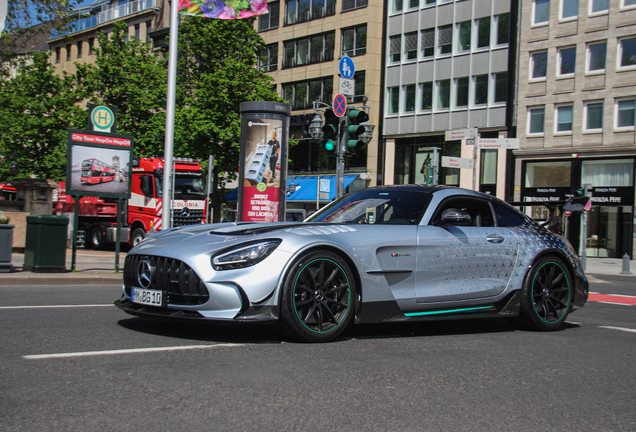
(376, 206)
(185, 187)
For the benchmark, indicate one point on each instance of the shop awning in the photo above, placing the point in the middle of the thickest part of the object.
(306, 188)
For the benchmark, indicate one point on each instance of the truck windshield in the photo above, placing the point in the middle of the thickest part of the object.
(185, 187)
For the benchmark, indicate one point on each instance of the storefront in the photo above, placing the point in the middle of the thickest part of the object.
(610, 221)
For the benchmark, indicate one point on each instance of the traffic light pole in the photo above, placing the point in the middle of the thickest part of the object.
(340, 165)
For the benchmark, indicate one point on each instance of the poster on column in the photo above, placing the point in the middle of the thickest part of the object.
(262, 179)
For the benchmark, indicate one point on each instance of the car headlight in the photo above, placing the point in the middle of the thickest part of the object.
(244, 255)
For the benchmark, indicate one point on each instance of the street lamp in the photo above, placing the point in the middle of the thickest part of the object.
(315, 128)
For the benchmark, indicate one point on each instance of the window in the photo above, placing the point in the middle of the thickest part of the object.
(269, 20)
(443, 94)
(536, 120)
(301, 94)
(596, 54)
(309, 50)
(481, 89)
(428, 42)
(359, 88)
(395, 43)
(461, 95)
(58, 57)
(137, 32)
(564, 118)
(79, 49)
(445, 39)
(414, 4)
(488, 166)
(541, 11)
(539, 65)
(548, 174)
(300, 11)
(628, 3)
(503, 28)
(608, 172)
(507, 217)
(268, 61)
(427, 96)
(463, 36)
(348, 5)
(398, 5)
(410, 45)
(68, 52)
(354, 41)
(501, 87)
(594, 116)
(409, 98)
(91, 46)
(625, 113)
(394, 100)
(599, 6)
(569, 9)
(567, 61)
(483, 32)
(148, 30)
(627, 53)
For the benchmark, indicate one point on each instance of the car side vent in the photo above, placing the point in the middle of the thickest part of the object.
(180, 283)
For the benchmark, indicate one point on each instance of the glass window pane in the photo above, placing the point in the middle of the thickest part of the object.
(427, 96)
(570, 8)
(483, 32)
(347, 42)
(537, 118)
(548, 174)
(409, 98)
(463, 39)
(302, 52)
(628, 55)
(327, 88)
(315, 90)
(594, 116)
(539, 64)
(462, 92)
(397, 5)
(330, 43)
(443, 94)
(501, 87)
(488, 166)
(361, 40)
(290, 51)
(608, 173)
(394, 100)
(626, 112)
(428, 42)
(565, 117)
(481, 89)
(445, 39)
(303, 10)
(290, 18)
(597, 56)
(300, 95)
(541, 11)
(316, 44)
(568, 61)
(600, 5)
(503, 29)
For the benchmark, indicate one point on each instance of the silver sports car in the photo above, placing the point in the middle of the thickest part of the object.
(383, 254)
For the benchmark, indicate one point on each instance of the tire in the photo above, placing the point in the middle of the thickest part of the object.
(318, 297)
(547, 295)
(137, 236)
(97, 240)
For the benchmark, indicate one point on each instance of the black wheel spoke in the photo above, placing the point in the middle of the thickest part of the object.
(309, 313)
(304, 302)
(330, 312)
(305, 288)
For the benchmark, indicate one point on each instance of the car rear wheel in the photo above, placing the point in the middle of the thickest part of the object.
(547, 295)
(318, 297)
(137, 236)
(96, 239)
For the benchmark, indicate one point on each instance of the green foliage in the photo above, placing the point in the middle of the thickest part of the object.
(37, 108)
(131, 77)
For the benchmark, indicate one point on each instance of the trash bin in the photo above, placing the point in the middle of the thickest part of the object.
(45, 244)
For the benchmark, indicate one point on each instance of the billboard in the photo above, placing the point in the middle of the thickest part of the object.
(98, 164)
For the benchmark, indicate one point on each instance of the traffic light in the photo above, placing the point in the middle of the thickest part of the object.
(355, 130)
(329, 143)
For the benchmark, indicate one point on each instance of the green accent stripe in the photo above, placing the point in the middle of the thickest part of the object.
(446, 311)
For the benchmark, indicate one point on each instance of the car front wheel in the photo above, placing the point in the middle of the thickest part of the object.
(318, 297)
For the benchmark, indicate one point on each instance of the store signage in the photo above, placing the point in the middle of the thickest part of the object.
(613, 195)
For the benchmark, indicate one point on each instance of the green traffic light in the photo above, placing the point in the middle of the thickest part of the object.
(330, 145)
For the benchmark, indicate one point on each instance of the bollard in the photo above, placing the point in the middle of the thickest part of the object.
(625, 264)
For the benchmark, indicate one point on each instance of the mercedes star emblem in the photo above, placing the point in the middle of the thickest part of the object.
(185, 212)
(144, 274)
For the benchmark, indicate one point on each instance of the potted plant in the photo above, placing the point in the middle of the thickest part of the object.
(6, 242)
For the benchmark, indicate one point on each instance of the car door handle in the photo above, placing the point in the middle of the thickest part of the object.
(495, 238)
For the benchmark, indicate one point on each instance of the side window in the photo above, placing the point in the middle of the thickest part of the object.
(479, 211)
(507, 217)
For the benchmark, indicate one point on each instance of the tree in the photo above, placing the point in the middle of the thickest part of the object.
(37, 108)
(130, 76)
(217, 70)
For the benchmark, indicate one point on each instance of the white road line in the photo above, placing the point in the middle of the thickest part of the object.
(619, 328)
(128, 351)
(613, 303)
(615, 295)
(55, 306)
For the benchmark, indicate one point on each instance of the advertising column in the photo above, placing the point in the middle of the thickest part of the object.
(263, 166)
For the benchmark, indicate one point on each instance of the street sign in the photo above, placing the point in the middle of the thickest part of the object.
(498, 143)
(339, 105)
(460, 134)
(346, 67)
(325, 185)
(346, 86)
(453, 162)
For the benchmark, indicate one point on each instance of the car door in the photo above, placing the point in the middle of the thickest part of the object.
(464, 262)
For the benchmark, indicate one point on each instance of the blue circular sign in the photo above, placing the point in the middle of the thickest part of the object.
(347, 68)
(339, 105)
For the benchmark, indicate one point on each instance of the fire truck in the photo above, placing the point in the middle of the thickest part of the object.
(8, 192)
(142, 212)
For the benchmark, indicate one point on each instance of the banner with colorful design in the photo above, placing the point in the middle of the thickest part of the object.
(227, 9)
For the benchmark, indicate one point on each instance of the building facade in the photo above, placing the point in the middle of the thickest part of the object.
(576, 115)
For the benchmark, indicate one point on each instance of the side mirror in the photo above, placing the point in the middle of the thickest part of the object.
(453, 216)
(146, 185)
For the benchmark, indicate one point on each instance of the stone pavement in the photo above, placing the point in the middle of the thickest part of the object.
(98, 268)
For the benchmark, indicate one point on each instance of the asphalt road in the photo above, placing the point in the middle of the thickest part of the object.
(85, 369)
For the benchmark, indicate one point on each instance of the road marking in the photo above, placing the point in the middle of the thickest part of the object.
(128, 351)
(613, 298)
(55, 306)
(618, 328)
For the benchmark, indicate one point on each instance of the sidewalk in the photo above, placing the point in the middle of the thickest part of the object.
(98, 268)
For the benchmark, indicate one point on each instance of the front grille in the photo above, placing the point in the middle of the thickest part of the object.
(191, 217)
(180, 283)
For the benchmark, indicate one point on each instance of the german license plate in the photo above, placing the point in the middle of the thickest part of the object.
(147, 297)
